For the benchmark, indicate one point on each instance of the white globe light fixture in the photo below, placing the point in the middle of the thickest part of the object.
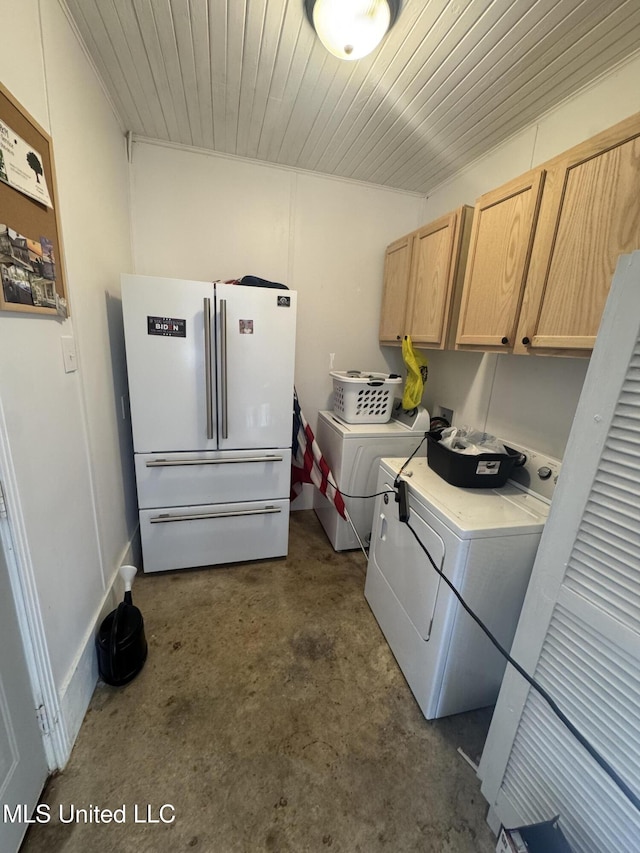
(350, 29)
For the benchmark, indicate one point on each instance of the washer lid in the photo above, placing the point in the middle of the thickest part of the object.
(391, 428)
(471, 512)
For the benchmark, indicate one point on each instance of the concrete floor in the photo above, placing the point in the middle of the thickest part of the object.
(272, 716)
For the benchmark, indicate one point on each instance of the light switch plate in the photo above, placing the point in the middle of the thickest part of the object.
(69, 356)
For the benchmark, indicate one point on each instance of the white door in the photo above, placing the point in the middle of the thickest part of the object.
(168, 363)
(256, 350)
(23, 766)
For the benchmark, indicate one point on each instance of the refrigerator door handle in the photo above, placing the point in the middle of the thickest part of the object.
(162, 519)
(223, 368)
(207, 367)
(170, 463)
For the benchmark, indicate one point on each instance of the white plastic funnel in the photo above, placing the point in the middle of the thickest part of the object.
(128, 573)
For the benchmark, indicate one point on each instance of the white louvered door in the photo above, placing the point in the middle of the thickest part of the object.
(579, 631)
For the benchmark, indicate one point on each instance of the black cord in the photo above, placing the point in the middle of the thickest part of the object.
(365, 497)
(404, 465)
(604, 764)
(386, 491)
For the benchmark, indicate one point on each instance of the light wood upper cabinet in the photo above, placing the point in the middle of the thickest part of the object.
(397, 265)
(544, 249)
(423, 299)
(590, 214)
(501, 240)
(437, 272)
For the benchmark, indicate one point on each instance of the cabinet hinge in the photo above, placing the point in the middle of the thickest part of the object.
(3, 506)
(43, 719)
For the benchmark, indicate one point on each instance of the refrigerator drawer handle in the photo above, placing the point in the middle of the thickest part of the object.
(208, 385)
(223, 368)
(162, 519)
(176, 463)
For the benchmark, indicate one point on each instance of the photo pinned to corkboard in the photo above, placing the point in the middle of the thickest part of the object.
(31, 260)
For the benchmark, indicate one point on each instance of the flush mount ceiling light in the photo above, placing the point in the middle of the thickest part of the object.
(350, 29)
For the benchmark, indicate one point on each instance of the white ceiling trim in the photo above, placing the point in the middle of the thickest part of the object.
(220, 155)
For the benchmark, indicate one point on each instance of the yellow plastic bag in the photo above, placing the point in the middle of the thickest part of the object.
(416, 375)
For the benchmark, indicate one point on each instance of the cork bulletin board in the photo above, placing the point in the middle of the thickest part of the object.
(31, 254)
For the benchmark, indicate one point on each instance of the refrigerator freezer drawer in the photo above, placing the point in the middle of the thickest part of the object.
(182, 537)
(181, 479)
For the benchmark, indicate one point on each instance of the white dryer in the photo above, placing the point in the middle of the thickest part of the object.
(485, 542)
(353, 452)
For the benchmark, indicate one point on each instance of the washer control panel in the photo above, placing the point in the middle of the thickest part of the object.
(538, 473)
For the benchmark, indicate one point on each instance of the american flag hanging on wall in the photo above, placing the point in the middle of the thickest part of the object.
(308, 465)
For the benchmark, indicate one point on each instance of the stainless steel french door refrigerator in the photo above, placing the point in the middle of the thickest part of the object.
(210, 371)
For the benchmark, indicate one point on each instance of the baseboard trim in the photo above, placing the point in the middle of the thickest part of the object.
(78, 687)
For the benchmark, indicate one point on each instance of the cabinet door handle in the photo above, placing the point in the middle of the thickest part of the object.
(526, 341)
(163, 519)
(398, 337)
(176, 463)
(505, 340)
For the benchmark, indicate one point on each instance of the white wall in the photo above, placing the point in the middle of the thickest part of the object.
(205, 216)
(68, 448)
(529, 399)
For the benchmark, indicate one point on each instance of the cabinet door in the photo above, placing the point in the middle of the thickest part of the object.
(397, 264)
(433, 263)
(501, 238)
(589, 216)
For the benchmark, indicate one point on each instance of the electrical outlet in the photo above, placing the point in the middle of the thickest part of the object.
(446, 413)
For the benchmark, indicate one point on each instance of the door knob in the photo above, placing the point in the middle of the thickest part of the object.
(505, 340)
(526, 341)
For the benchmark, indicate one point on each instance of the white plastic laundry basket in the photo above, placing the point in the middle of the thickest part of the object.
(361, 397)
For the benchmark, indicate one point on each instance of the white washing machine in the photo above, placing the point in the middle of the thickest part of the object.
(485, 542)
(353, 452)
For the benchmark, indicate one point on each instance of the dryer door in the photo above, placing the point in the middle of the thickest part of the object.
(404, 565)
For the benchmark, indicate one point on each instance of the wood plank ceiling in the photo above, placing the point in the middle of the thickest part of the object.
(452, 79)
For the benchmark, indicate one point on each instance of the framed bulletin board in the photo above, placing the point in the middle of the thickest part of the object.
(31, 256)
